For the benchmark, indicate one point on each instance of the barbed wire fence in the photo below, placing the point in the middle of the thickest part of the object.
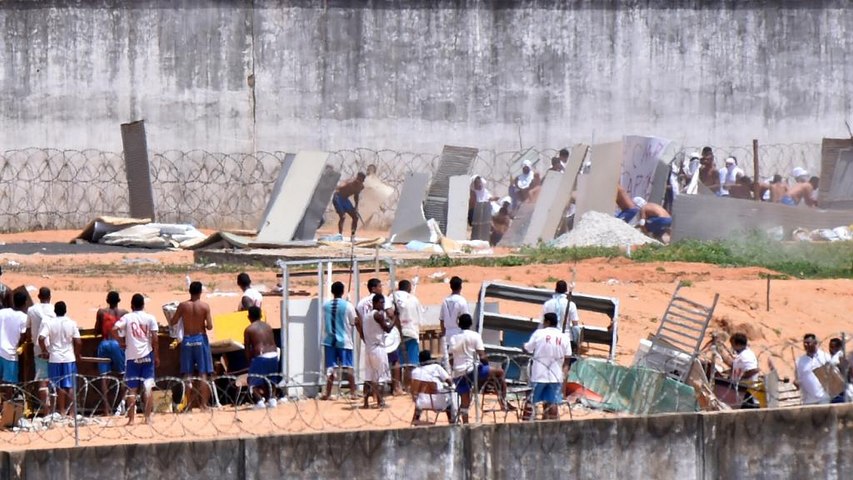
(42, 188)
(235, 411)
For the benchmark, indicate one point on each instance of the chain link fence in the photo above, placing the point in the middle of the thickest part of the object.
(499, 398)
(65, 189)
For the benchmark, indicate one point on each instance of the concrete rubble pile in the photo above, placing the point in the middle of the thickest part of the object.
(597, 229)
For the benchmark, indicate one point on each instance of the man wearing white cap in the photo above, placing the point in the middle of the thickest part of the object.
(730, 175)
(802, 190)
(523, 184)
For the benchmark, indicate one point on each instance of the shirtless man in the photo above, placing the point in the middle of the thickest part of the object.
(654, 220)
(627, 208)
(109, 347)
(263, 358)
(777, 189)
(342, 204)
(500, 224)
(800, 191)
(195, 349)
(708, 173)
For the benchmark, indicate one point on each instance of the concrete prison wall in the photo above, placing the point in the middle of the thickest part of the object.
(813, 442)
(270, 75)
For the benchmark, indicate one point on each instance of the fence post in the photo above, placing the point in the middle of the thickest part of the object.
(756, 188)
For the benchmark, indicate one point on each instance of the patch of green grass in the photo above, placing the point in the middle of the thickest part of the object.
(800, 259)
(525, 256)
(686, 283)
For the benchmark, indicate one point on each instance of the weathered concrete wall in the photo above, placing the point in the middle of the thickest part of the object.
(814, 443)
(413, 75)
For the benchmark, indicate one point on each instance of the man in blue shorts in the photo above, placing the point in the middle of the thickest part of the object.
(338, 322)
(654, 220)
(59, 339)
(551, 349)
(109, 348)
(13, 328)
(143, 354)
(467, 350)
(195, 348)
(36, 315)
(263, 359)
(409, 312)
(343, 205)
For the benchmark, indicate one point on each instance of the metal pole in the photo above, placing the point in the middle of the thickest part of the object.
(285, 298)
(356, 367)
(74, 406)
(320, 299)
(756, 189)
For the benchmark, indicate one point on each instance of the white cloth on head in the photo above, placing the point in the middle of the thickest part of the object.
(525, 180)
(13, 324)
(464, 347)
(483, 194)
(549, 347)
(61, 332)
(798, 172)
(35, 316)
(811, 390)
(137, 328)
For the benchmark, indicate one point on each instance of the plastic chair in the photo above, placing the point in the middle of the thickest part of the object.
(427, 396)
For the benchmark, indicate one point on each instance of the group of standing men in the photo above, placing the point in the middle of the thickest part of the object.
(463, 348)
(128, 347)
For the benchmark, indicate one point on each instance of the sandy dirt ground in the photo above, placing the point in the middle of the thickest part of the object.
(796, 307)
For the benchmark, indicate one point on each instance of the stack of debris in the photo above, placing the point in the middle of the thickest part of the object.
(597, 229)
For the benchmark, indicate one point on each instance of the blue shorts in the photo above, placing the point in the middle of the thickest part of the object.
(139, 370)
(464, 383)
(409, 351)
(394, 357)
(548, 392)
(787, 200)
(657, 225)
(261, 369)
(628, 215)
(8, 371)
(338, 357)
(62, 374)
(41, 369)
(342, 204)
(195, 355)
(110, 349)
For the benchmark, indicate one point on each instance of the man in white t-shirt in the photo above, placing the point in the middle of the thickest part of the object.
(142, 353)
(59, 339)
(744, 366)
(35, 315)
(836, 354)
(469, 359)
(409, 311)
(13, 326)
(431, 372)
(811, 390)
(251, 296)
(557, 304)
(373, 328)
(551, 349)
(363, 310)
(451, 309)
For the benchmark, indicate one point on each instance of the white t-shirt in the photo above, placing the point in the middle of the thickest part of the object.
(435, 373)
(835, 358)
(811, 390)
(410, 311)
(60, 333)
(743, 362)
(557, 305)
(254, 295)
(451, 308)
(136, 327)
(374, 335)
(464, 347)
(35, 314)
(549, 347)
(365, 306)
(13, 324)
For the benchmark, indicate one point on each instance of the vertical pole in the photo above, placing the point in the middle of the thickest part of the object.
(285, 298)
(756, 189)
(319, 341)
(768, 293)
(356, 278)
(74, 405)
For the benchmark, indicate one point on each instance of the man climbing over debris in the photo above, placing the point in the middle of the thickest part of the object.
(627, 208)
(744, 365)
(654, 219)
(803, 190)
(343, 205)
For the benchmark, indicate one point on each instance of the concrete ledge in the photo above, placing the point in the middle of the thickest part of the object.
(812, 442)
